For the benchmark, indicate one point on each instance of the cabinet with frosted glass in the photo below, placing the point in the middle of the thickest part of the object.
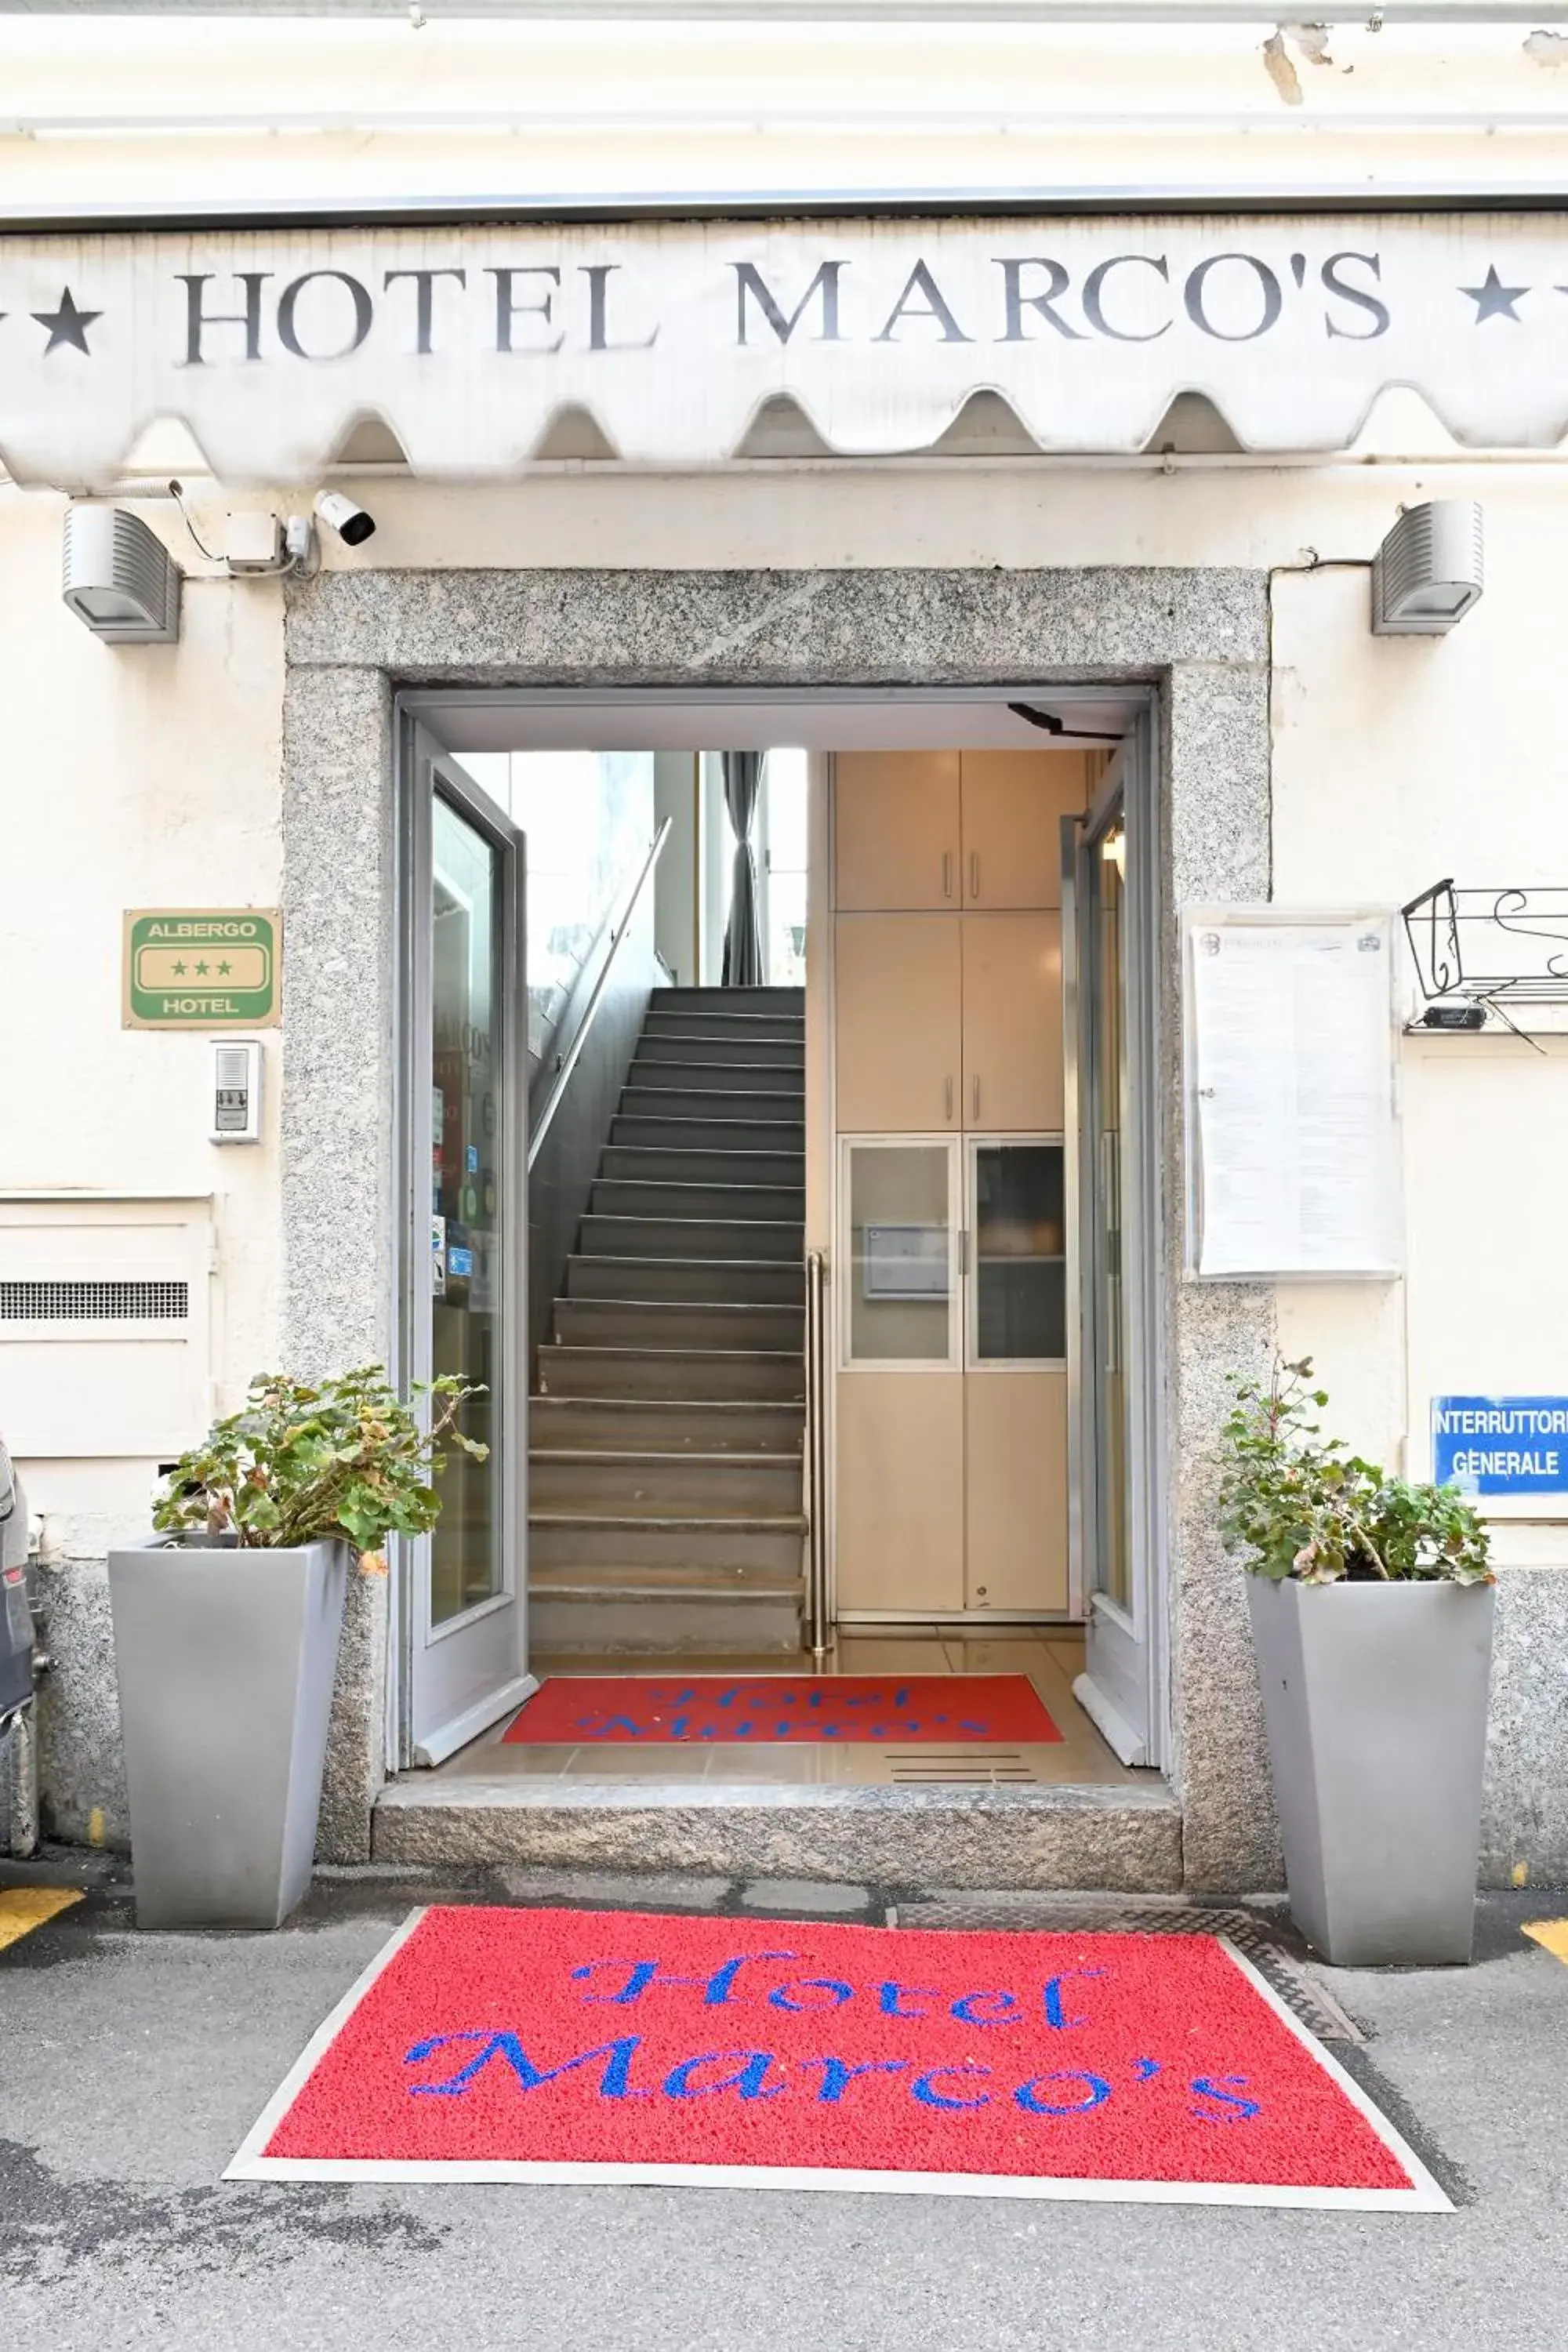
(952, 1409)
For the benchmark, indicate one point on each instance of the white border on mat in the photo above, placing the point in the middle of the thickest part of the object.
(1423, 2195)
(249, 2164)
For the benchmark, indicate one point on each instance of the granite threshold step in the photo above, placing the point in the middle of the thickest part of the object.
(1119, 1840)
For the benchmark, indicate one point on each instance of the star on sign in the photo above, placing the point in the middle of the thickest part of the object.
(1493, 299)
(68, 324)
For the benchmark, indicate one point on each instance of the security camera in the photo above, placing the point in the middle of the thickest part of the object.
(352, 523)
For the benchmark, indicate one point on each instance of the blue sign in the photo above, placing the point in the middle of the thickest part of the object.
(1501, 1446)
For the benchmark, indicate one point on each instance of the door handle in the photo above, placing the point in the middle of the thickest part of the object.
(948, 1094)
(947, 872)
(976, 1110)
(974, 874)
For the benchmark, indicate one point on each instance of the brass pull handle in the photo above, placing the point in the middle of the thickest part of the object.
(948, 1091)
(947, 872)
(977, 1098)
(974, 874)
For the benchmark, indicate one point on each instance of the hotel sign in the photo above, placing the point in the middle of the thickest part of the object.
(469, 342)
(201, 967)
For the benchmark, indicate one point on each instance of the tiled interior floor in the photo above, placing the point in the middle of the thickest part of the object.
(1048, 1655)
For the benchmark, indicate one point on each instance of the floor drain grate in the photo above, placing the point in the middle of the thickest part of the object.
(987, 1768)
(1297, 1984)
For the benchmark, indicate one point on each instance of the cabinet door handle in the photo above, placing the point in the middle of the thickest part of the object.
(948, 1095)
(947, 872)
(974, 874)
(976, 1112)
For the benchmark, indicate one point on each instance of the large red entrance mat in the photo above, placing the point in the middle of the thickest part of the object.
(908, 1710)
(490, 2044)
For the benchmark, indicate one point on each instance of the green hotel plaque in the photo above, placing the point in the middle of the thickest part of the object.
(202, 967)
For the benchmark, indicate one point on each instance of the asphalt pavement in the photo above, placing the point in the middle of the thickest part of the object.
(132, 2065)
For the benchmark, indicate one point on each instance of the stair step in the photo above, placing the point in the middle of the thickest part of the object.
(706, 1237)
(1022, 1838)
(742, 1542)
(759, 1053)
(755, 1028)
(702, 1487)
(617, 1196)
(640, 1163)
(700, 1375)
(729, 1000)
(642, 1576)
(726, 1282)
(652, 1425)
(742, 1108)
(710, 1134)
(686, 1621)
(678, 1323)
(734, 1075)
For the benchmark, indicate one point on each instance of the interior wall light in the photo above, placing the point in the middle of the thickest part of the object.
(1428, 572)
(118, 577)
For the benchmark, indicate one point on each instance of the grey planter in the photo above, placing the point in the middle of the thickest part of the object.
(1376, 1701)
(225, 1660)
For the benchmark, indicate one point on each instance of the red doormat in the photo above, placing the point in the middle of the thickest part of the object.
(489, 2044)
(911, 1710)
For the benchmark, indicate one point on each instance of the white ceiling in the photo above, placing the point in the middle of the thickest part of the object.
(681, 721)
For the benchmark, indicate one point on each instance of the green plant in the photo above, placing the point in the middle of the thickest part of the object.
(297, 1464)
(1298, 1504)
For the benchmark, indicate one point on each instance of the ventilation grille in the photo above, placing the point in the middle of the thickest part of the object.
(95, 1302)
(988, 1768)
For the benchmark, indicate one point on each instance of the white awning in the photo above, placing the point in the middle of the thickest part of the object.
(468, 342)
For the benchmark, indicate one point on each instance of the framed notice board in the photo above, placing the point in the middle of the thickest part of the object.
(1291, 1115)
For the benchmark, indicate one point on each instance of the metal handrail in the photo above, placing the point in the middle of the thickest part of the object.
(819, 1612)
(618, 933)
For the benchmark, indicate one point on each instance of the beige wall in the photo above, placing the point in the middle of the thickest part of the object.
(131, 776)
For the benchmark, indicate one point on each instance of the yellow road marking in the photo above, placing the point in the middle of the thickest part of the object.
(23, 1909)
(1552, 1933)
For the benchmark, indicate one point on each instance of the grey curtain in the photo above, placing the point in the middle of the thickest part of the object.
(742, 935)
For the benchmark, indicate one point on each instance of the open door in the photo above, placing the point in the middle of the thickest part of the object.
(1110, 896)
(463, 1590)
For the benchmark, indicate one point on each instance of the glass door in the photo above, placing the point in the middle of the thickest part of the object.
(1109, 931)
(464, 1587)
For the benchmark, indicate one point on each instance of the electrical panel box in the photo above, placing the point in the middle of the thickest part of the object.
(236, 1090)
(252, 542)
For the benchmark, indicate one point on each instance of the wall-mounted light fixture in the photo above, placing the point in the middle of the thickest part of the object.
(1427, 572)
(119, 578)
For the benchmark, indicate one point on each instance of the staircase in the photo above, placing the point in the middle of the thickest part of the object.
(665, 1438)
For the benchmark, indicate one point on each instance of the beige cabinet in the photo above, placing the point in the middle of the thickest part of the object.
(931, 831)
(898, 837)
(1012, 806)
(1015, 1486)
(900, 1456)
(1012, 1020)
(897, 990)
